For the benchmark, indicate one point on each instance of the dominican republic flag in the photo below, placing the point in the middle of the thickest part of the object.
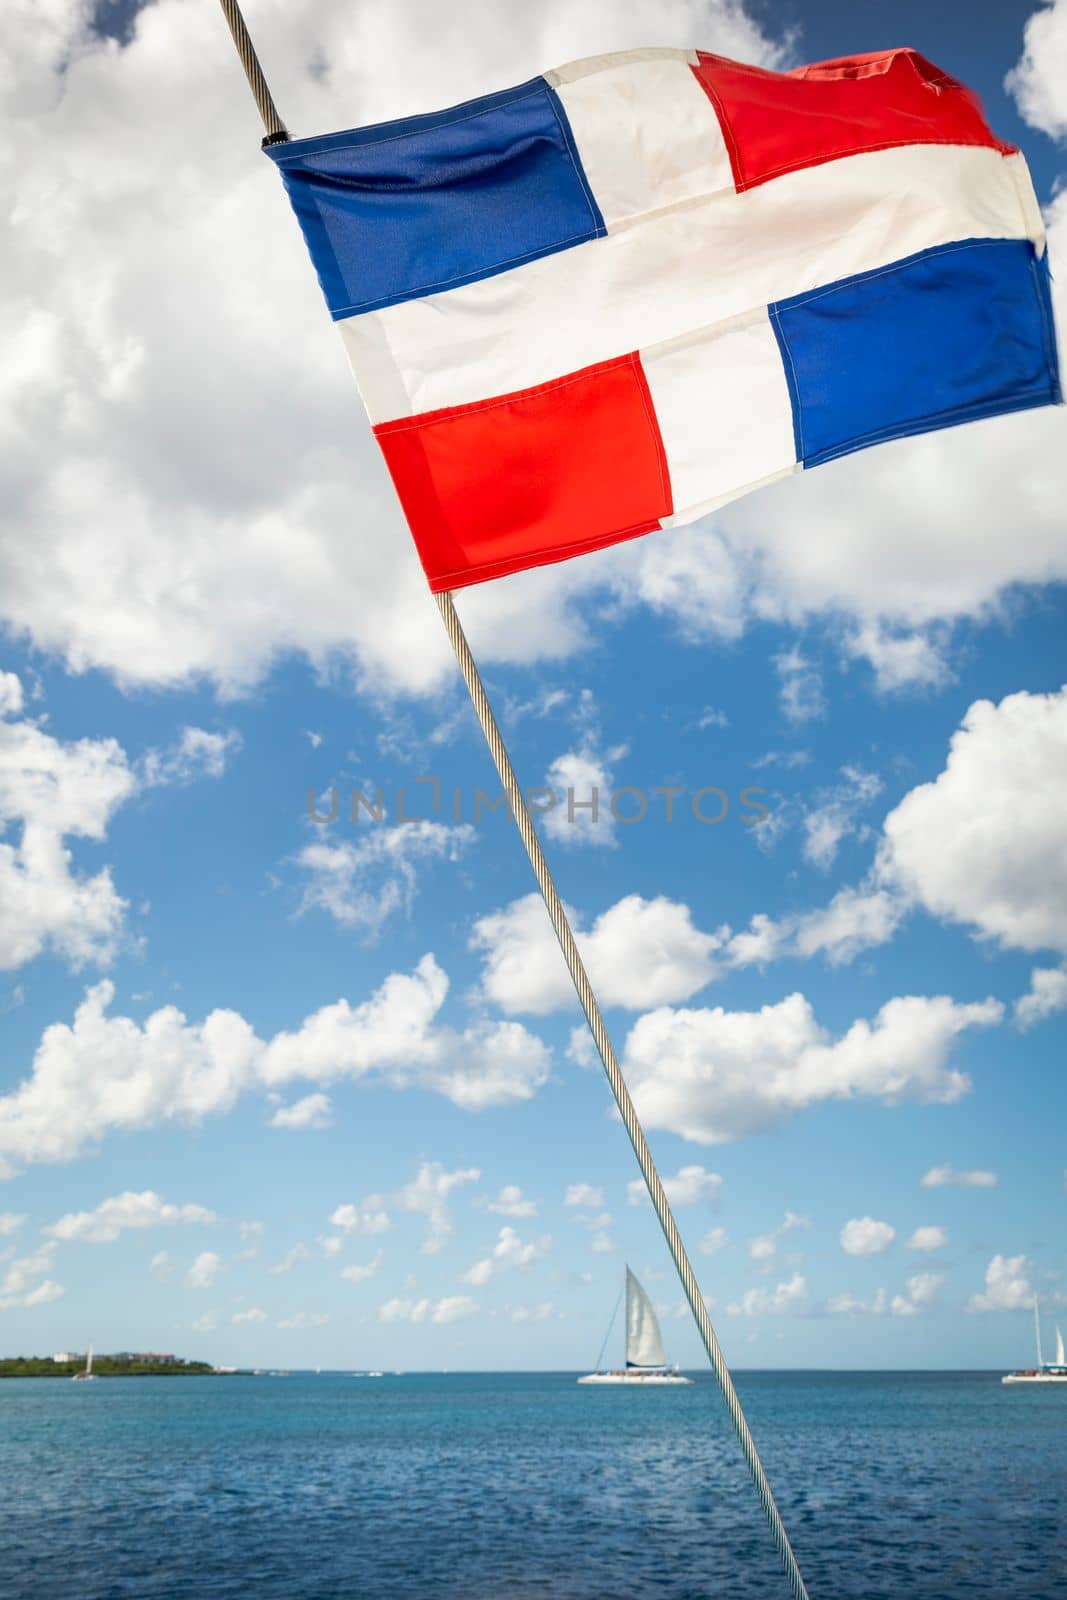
(626, 292)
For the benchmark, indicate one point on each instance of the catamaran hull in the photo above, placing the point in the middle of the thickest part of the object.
(637, 1380)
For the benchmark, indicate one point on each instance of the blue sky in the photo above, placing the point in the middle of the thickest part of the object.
(211, 610)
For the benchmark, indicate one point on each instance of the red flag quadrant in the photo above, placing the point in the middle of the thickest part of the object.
(633, 289)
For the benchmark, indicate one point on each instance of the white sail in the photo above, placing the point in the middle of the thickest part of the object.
(1059, 1361)
(644, 1343)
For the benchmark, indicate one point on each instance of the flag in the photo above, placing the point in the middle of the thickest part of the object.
(626, 292)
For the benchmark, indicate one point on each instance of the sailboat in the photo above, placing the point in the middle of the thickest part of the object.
(88, 1376)
(1045, 1371)
(646, 1362)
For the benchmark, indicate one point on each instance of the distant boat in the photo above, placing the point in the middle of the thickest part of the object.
(88, 1376)
(1045, 1371)
(646, 1362)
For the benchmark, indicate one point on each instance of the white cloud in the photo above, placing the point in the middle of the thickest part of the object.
(1038, 79)
(428, 1194)
(511, 1202)
(253, 1314)
(791, 1295)
(714, 1075)
(928, 1238)
(369, 1216)
(509, 1251)
(688, 1186)
(828, 823)
(50, 793)
(920, 1293)
(981, 845)
(361, 884)
(360, 1274)
(313, 1111)
(984, 844)
(11, 1222)
(945, 1176)
(584, 1194)
(121, 1212)
(1047, 996)
(802, 695)
(451, 1309)
(197, 753)
(638, 953)
(105, 1073)
(204, 1270)
(305, 1319)
(299, 1252)
(865, 1236)
(1007, 1286)
(24, 1280)
(763, 1247)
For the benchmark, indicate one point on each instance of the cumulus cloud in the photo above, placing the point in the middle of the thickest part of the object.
(25, 1281)
(865, 1236)
(197, 753)
(638, 953)
(511, 1202)
(359, 1273)
(453, 1308)
(984, 844)
(104, 1073)
(121, 1212)
(919, 1294)
(714, 1075)
(790, 1296)
(945, 1176)
(928, 1238)
(204, 1270)
(1047, 995)
(688, 1186)
(509, 1251)
(313, 1111)
(362, 883)
(1037, 82)
(1007, 1286)
(369, 1216)
(305, 1319)
(53, 792)
(981, 845)
(835, 814)
(428, 1194)
(763, 1247)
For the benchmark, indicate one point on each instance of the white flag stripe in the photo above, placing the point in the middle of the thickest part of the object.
(648, 137)
(681, 270)
(724, 410)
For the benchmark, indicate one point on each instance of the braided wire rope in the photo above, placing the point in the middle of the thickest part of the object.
(276, 131)
(576, 968)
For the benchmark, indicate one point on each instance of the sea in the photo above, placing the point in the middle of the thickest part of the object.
(511, 1486)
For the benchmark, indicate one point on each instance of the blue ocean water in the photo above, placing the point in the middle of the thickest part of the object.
(938, 1485)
